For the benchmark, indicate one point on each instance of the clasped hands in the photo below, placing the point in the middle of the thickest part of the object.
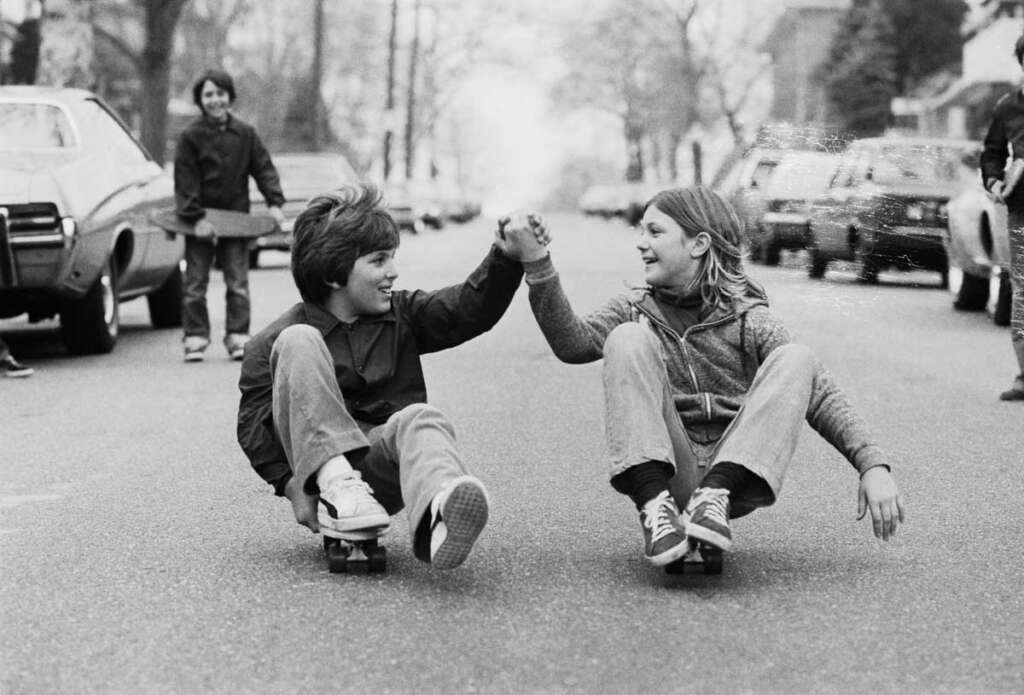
(523, 236)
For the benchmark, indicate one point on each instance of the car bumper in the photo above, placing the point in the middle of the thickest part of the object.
(916, 246)
(785, 229)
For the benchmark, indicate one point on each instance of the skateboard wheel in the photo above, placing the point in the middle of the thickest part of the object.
(377, 560)
(337, 556)
(676, 567)
(712, 560)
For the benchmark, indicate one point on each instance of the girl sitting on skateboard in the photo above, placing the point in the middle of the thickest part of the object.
(705, 391)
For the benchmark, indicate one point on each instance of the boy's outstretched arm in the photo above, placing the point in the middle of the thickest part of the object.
(879, 495)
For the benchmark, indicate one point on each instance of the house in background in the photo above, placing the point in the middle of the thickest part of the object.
(960, 106)
(799, 44)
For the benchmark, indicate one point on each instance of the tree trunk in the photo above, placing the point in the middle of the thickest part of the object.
(316, 135)
(161, 20)
(410, 105)
(389, 109)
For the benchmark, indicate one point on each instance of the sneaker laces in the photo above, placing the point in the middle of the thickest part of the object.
(659, 520)
(716, 504)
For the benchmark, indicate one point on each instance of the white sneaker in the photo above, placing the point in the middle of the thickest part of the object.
(235, 345)
(195, 348)
(347, 504)
(458, 513)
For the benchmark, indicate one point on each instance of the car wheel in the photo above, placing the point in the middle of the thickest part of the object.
(868, 271)
(973, 293)
(818, 265)
(165, 302)
(1004, 301)
(90, 325)
(771, 252)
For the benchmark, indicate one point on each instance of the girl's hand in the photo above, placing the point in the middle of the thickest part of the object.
(878, 494)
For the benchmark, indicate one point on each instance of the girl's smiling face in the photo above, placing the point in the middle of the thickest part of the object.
(368, 290)
(671, 258)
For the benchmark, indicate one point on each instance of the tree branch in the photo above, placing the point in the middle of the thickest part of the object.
(120, 45)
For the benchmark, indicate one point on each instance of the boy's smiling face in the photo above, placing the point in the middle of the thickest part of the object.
(368, 291)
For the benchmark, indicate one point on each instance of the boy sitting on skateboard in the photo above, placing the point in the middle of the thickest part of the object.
(333, 411)
(705, 391)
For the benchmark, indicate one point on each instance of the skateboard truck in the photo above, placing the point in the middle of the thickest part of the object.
(355, 550)
(700, 555)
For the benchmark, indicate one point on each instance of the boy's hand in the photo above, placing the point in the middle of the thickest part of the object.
(878, 494)
(523, 236)
(277, 213)
(994, 189)
(204, 229)
(303, 505)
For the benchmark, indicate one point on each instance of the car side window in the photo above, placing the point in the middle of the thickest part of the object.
(112, 133)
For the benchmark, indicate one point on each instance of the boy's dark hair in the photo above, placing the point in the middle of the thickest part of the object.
(219, 78)
(332, 232)
(1018, 50)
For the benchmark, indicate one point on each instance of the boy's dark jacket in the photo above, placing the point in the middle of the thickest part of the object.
(212, 166)
(376, 358)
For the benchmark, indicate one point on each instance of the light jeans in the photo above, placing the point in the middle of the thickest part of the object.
(642, 424)
(233, 255)
(407, 460)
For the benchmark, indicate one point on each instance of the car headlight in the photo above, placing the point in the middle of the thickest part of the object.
(915, 211)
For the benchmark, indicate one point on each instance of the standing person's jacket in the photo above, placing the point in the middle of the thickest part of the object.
(212, 166)
(711, 365)
(376, 358)
(1007, 127)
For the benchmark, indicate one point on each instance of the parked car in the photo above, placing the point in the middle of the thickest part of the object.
(76, 190)
(887, 206)
(303, 175)
(623, 200)
(978, 246)
(789, 198)
(742, 182)
(405, 207)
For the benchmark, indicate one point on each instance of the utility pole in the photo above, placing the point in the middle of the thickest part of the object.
(410, 106)
(389, 110)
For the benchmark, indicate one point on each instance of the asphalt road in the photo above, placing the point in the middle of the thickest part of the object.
(140, 554)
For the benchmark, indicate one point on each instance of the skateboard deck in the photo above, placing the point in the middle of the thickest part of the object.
(228, 223)
(355, 551)
(700, 556)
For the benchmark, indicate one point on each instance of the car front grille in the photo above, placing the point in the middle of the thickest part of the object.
(32, 222)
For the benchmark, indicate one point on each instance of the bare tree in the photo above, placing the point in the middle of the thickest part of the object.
(389, 108)
(410, 103)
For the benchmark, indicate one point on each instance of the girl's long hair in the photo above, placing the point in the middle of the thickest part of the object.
(720, 277)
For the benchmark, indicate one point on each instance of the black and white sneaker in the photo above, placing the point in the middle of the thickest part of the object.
(664, 536)
(14, 369)
(707, 517)
(457, 515)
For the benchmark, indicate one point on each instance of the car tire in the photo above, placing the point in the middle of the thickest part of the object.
(818, 264)
(90, 325)
(165, 302)
(867, 273)
(1004, 301)
(973, 293)
(771, 252)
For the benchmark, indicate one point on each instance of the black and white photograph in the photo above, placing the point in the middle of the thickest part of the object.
(511, 347)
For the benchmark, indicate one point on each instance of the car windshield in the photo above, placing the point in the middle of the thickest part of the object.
(924, 164)
(802, 175)
(34, 126)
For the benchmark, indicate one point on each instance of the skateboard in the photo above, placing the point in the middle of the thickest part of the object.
(355, 550)
(703, 556)
(228, 223)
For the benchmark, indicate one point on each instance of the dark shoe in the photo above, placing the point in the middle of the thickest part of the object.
(14, 369)
(707, 517)
(664, 537)
(1014, 393)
